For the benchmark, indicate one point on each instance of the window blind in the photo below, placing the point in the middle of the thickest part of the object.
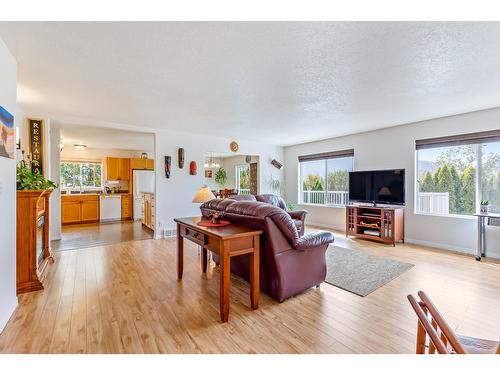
(327, 155)
(459, 140)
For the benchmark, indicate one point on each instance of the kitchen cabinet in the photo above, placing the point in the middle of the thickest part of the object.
(126, 206)
(124, 169)
(141, 163)
(148, 210)
(112, 169)
(117, 169)
(90, 210)
(70, 212)
(79, 209)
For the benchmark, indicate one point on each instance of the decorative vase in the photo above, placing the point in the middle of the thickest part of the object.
(484, 208)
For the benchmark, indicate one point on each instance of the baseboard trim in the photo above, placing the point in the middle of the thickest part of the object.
(324, 226)
(454, 248)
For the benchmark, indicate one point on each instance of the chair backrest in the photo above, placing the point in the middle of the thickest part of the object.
(433, 329)
(275, 200)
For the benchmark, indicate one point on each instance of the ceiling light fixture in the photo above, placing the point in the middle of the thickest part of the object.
(80, 147)
(210, 163)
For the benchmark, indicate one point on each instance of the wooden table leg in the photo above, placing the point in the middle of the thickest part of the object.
(255, 274)
(204, 260)
(225, 280)
(180, 253)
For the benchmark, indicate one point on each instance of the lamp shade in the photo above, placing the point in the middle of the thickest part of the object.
(203, 195)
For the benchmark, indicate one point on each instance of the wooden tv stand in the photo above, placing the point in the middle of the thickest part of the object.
(386, 223)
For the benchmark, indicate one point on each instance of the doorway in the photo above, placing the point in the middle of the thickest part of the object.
(107, 186)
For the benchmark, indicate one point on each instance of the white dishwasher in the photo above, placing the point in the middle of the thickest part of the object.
(110, 207)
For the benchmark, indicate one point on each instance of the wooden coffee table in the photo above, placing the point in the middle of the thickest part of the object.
(226, 241)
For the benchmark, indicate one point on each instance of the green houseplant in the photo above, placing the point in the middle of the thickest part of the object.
(29, 180)
(221, 177)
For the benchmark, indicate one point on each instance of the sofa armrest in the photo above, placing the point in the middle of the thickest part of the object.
(313, 240)
(298, 215)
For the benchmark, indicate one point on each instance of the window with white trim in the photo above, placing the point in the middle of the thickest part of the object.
(81, 175)
(243, 179)
(324, 178)
(456, 173)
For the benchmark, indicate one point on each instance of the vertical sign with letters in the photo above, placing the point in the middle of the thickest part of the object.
(36, 145)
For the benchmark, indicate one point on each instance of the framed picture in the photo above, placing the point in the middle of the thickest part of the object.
(208, 173)
(6, 134)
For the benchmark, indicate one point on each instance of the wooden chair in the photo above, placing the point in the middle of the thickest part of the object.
(226, 193)
(434, 334)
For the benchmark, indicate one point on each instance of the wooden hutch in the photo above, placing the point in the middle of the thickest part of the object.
(382, 224)
(32, 239)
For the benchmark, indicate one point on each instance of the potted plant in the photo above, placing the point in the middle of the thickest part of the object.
(484, 207)
(221, 177)
(29, 180)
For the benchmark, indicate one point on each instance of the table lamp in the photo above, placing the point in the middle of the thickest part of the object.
(204, 195)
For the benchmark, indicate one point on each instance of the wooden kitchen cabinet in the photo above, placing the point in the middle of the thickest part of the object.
(124, 169)
(141, 163)
(70, 212)
(117, 169)
(79, 209)
(90, 210)
(126, 206)
(112, 169)
(148, 210)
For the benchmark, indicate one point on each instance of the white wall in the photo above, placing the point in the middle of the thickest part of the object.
(52, 148)
(174, 195)
(70, 153)
(8, 300)
(395, 148)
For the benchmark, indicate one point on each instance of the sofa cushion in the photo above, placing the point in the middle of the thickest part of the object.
(256, 209)
(244, 197)
(272, 199)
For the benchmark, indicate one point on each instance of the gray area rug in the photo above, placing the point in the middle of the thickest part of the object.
(358, 272)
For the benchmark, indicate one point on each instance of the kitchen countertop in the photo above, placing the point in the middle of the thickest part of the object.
(87, 194)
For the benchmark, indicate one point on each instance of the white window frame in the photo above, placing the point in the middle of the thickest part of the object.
(300, 194)
(80, 188)
(237, 172)
(478, 167)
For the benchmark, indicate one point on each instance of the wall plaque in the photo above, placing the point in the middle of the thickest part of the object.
(36, 145)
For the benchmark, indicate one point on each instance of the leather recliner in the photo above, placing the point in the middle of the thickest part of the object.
(299, 216)
(289, 263)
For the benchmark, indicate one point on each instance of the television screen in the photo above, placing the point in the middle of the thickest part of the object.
(387, 186)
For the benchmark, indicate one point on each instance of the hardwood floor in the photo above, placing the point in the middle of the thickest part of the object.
(88, 235)
(125, 298)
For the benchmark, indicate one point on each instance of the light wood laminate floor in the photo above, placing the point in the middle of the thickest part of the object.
(125, 298)
(77, 236)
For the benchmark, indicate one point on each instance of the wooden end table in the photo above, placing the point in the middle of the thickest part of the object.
(226, 241)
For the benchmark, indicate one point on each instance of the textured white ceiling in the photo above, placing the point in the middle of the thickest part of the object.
(279, 83)
(102, 138)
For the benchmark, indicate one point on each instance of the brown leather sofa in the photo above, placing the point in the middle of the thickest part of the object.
(299, 216)
(289, 263)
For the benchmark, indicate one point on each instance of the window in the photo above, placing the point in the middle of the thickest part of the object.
(243, 179)
(78, 175)
(324, 178)
(455, 173)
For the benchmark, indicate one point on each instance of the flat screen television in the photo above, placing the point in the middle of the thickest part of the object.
(385, 187)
